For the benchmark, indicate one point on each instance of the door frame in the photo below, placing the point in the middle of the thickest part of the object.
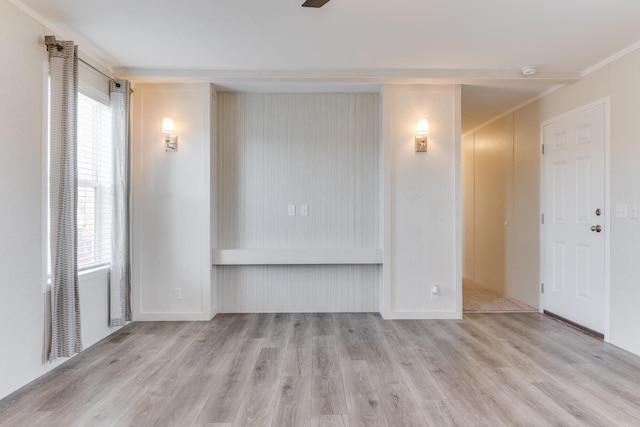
(606, 102)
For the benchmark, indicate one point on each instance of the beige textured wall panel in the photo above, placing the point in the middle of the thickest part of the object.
(493, 203)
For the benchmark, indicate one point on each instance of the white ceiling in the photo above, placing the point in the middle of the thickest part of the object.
(256, 43)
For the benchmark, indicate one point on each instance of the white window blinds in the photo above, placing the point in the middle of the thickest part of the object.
(95, 177)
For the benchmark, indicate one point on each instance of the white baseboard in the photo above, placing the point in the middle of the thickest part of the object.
(422, 315)
(171, 317)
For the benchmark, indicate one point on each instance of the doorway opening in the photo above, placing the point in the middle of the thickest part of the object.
(500, 226)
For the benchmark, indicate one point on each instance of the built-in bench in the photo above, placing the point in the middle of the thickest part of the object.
(297, 256)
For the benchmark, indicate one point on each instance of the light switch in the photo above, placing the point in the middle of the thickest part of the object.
(291, 210)
(304, 210)
(621, 211)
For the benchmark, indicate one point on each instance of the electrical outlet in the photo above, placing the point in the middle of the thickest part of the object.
(435, 292)
(177, 293)
(621, 210)
(291, 210)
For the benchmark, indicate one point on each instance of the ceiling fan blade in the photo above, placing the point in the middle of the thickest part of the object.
(314, 3)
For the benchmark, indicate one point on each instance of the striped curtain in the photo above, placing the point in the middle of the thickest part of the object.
(120, 278)
(63, 178)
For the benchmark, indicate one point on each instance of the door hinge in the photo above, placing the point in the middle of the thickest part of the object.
(542, 218)
(542, 148)
(542, 288)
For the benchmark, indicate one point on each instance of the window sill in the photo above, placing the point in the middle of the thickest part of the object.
(94, 272)
(88, 274)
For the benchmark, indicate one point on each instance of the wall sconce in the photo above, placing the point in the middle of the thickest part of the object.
(170, 139)
(421, 135)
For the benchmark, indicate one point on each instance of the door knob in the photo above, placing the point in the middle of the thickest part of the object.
(596, 228)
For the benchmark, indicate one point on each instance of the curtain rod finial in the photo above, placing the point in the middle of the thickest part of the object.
(50, 41)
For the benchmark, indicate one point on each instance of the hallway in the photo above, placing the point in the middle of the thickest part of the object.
(484, 300)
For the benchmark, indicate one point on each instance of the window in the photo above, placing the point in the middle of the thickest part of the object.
(95, 177)
(95, 188)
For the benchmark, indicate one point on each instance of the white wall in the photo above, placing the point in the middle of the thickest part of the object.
(467, 165)
(624, 83)
(422, 215)
(21, 254)
(171, 203)
(94, 307)
(24, 323)
(213, 201)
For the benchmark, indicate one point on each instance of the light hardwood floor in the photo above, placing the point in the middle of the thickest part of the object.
(339, 370)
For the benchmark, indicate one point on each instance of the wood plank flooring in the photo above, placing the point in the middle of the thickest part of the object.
(341, 369)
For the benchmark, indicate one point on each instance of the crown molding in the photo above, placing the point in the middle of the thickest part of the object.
(87, 51)
(377, 76)
(611, 59)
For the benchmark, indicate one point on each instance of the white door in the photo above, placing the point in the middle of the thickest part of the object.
(573, 269)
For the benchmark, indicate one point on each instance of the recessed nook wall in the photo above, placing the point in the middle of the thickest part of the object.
(319, 151)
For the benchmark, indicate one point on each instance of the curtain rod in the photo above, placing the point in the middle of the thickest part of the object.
(50, 41)
(99, 71)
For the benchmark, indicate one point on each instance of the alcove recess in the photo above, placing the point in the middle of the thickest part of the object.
(322, 151)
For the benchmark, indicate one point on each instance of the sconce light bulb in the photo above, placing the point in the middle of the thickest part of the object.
(168, 125)
(423, 127)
